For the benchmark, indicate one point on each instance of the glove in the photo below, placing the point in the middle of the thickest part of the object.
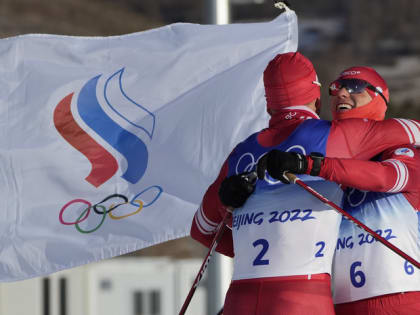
(278, 163)
(235, 190)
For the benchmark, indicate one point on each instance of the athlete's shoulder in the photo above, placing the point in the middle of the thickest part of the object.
(365, 126)
(407, 124)
(352, 122)
(315, 122)
(354, 127)
(367, 122)
(248, 141)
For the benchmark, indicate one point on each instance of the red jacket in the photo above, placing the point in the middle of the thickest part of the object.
(350, 138)
(397, 171)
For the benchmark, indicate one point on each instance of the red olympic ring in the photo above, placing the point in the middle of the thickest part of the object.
(60, 217)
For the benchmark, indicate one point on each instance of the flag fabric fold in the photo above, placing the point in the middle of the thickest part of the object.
(107, 144)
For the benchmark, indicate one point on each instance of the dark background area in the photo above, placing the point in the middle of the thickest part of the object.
(334, 34)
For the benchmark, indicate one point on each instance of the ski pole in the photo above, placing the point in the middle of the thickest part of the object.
(251, 179)
(219, 233)
(294, 179)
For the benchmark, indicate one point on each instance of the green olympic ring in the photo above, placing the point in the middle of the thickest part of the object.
(99, 225)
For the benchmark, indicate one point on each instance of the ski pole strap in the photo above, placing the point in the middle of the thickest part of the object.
(291, 177)
(294, 179)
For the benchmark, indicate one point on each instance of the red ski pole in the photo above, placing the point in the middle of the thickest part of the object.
(220, 230)
(250, 178)
(294, 179)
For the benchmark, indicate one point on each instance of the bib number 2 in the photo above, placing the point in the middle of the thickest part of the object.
(258, 261)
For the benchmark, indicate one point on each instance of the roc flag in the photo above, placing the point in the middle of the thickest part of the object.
(107, 144)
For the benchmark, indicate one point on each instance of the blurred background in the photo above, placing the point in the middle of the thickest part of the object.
(334, 34)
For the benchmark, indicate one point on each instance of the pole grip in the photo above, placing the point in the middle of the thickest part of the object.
(291, 177)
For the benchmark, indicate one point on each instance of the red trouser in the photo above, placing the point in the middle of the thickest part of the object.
(407, 303)
(294, 295)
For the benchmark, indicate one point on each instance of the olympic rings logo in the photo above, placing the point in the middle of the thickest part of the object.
(248, 163)
(356, 197)
(100, 209)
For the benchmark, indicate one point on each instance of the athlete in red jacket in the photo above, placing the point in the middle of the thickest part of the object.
(292, 92)
(368, 277)
(392, 286)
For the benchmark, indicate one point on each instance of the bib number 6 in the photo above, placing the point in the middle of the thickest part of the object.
(358, 278)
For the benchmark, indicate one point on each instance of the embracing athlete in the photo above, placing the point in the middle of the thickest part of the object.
(284, 239)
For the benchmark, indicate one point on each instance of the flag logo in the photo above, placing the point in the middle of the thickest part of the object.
(404, 151)
(103, 163)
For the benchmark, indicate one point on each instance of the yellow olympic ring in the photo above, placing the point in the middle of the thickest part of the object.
(126, 215)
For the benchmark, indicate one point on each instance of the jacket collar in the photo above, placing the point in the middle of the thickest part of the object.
(292, 114)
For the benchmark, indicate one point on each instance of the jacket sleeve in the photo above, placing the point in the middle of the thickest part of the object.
(398, 171)
(209, 215)
(363, 139)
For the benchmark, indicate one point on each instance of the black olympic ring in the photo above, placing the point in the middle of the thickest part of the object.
(112, 208)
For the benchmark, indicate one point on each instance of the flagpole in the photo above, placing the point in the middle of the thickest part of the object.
(220, 268)
(218, 280)
(217, 12)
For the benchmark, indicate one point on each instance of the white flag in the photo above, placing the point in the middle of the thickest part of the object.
(107, 144)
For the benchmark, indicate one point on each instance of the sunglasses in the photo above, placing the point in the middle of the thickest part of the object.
(353, 86)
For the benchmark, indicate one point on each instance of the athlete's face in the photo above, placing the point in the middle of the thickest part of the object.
(344, 101)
